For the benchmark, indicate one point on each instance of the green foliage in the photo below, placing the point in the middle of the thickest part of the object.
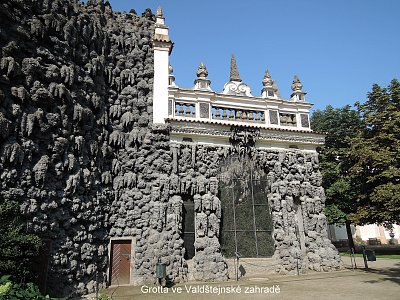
(17, 248)
(360, 161)
(11, 290)
(103, 295)
(376, 157)
(341, 125)
(334, 214)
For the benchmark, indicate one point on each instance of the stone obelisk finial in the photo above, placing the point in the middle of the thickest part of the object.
(267, 81)
(234, 74)
(202, 82)
(297, 88)
(296, 85)
(202, 71)
(160, 12)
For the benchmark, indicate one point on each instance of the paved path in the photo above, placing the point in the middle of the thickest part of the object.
(382, 282)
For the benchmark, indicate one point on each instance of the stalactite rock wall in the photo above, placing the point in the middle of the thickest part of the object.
(75, 107)
(292, 175)
(80, 154)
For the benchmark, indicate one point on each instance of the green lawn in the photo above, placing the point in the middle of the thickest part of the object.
(378, 256)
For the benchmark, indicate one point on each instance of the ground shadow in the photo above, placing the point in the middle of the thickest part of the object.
(390, 274)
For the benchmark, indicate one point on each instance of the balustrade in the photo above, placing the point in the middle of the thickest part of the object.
(288, 119)
(234, 114)
(187, 110)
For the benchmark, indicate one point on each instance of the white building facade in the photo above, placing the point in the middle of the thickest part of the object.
(371, 234)
(283, 123)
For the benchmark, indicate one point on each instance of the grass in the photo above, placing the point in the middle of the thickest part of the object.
(378, 256)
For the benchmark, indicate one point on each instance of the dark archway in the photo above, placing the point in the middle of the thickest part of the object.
(188, 228)
(246, 218)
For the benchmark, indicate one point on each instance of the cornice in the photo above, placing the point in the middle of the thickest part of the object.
(224, 130)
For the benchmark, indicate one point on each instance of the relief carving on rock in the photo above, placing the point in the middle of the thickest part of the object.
(243, 140)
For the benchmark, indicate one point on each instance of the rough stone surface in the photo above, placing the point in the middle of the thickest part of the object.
(80, 153)
(291, 174)
(75, 105)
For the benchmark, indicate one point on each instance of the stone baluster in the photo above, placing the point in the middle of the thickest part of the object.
(293, 120)
(224, 115)
(187, 110)
(232, 114)
(180, 110)
(250, 116)
(217, 113)
(238, 115)
(193, 110)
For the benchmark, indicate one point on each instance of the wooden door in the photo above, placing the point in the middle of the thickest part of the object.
(120, 262)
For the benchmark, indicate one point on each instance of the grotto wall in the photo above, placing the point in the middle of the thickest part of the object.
(80, 154)
(75, 93)
(294, 180)
(194, 172)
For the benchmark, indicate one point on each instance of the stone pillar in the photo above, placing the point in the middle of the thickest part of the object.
(209, 263)
(162, 49)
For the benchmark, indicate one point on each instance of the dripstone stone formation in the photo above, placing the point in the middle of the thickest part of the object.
(80, 153)
(75, 91)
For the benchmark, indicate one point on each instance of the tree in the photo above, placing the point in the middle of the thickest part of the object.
(341, 126)
(17, 248)
(376, 157)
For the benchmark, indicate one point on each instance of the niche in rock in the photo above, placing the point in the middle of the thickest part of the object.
(246, 217)
(188, 230)
(299, 223)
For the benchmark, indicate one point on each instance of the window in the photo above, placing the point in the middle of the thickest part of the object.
(188, 227)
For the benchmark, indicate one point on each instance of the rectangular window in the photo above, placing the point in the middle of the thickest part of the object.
(188, 228)
(273, 117)
(304, 120)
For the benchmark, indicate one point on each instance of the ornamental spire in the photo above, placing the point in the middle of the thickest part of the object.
(160, 12)
(202, 82)
(297, 88)
(267, 81)
(234, 73)
(296, 85)
(269, 89)
(171, 77)
(202, 71)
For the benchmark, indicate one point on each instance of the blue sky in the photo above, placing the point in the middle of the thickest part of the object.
(338, 48)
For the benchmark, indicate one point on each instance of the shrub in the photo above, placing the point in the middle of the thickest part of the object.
(17, 247)
(10, 290)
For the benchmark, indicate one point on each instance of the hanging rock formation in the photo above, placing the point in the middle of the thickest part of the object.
(75, 108)
(80, 154)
